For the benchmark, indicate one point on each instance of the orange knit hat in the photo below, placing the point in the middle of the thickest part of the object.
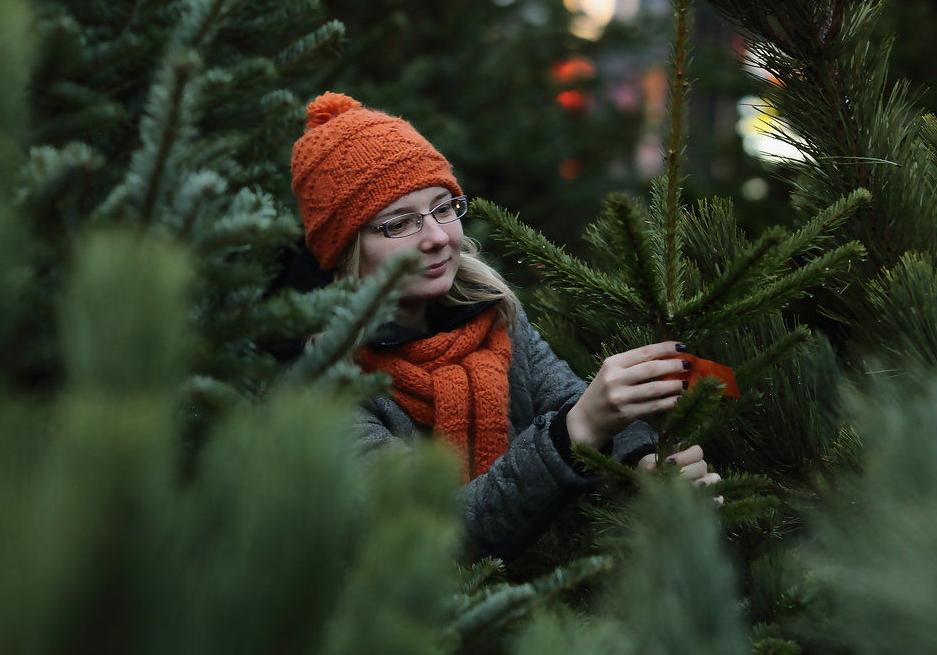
(350, 163)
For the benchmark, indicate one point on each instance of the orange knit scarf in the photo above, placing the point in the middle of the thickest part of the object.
(457, 383)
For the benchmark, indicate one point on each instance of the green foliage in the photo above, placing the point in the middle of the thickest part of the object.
(175, 118)
(15, 56)
(895, 308)
(854, 127)
(875, 537)
(677, 589)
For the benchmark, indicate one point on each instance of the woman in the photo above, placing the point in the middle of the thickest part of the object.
(465, 361)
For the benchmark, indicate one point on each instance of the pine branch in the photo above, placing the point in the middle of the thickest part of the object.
(695, 407)
(783, 348)
(749, 510)
(777, 294)
(823, 224)
(742, 485)
(677, 139)
(929, 134)
(620, 234)
(598, 463)
(741, 274)
(592, 287)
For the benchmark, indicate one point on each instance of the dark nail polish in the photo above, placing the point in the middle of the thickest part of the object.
(686, 364)
(681, 347)
(671, 460)
(686, 384)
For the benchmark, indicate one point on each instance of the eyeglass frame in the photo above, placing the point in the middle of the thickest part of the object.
(383, 226)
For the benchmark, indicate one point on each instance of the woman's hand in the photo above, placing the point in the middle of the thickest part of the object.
(692, 467)
(626, 388)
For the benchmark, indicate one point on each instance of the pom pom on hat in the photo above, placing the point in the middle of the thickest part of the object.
(327, 106)
(352, 161)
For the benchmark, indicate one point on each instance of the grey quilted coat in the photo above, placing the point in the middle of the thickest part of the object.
(510, 505)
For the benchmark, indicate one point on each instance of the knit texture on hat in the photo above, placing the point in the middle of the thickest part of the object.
(457, 383)
(350, 163)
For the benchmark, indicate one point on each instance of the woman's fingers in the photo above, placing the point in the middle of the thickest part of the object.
(648, 462)
(646, 371)
(650, 391)
(708, 479)
(638, 410)
(688, 456)
(645, 354)
(694, 471)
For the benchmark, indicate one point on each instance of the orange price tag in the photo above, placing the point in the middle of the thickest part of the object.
(701, 368)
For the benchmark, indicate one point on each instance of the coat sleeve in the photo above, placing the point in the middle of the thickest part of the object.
(509, 505)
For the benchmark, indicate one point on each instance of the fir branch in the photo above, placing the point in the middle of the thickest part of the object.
(368, 307)
(164, 129)
(678, 91)
(50, 172)
(479, 573)
(505, 603)
(742, 273)
(592, 287)
(783, 348)
(201, 19)
(302, 51)
(782, 291)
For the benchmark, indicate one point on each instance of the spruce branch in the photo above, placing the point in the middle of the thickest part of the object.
(594, 288)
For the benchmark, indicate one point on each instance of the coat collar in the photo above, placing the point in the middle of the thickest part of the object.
(439, 318)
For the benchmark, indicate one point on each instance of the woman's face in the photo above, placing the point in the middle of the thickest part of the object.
(438, 245)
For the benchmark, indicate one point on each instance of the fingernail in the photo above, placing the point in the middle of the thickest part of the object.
(671, 460)
(681, 347)
(686, 364)
(686, 384)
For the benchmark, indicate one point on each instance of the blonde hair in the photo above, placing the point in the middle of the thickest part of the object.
(475, 280)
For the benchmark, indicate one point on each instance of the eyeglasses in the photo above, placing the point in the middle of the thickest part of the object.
(406, 225)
